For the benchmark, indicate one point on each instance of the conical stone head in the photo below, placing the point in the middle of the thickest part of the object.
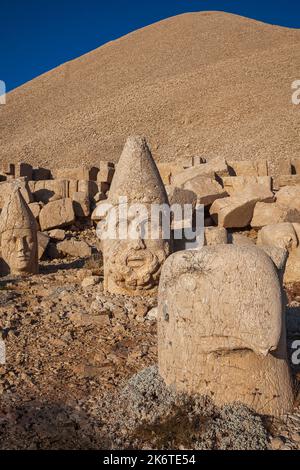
(137, 177)
(18, 231)
(133, 261)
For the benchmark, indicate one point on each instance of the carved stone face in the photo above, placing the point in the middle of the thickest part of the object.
(19, 251)
(134, 265)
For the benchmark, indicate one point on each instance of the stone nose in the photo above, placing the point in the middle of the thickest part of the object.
(20, 245)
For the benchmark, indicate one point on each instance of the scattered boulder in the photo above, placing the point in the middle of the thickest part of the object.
(233, 212)
(57, 214)
(240, 183)
(216, 168)
(49, 190)
(267, 214)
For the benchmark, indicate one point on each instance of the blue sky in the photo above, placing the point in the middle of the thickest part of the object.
(38, 35)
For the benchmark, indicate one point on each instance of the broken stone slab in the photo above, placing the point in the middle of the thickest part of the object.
(246, 168)
(74, 248)
(57, 234)
(43, 241)
(57, 214)
(216, 323)
(35, 209)
(282, 181)
(241, 240)
(181, 197)
(234, 184)
(289, 197)
(216, 168)
(49, 190)
(268, 214)
(215, 236)
(208, 190)
(106, 172)
(279, 167)
(81, 204)
(7, 187)
(23, 170)
(292, 271)
(168, 171)
(279, 256)
(279, 235)
(8, 169)
(90, 281)
(18, 233)
(87, 173)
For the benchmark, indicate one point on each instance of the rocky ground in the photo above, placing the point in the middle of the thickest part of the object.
(72, 355)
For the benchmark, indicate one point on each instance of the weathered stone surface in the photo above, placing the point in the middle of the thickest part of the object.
(57, 234)
(289, 197)
(237, 211)
(243, 168)
(279, 257)
(168, 171)
(292, 271)
(181, 196)
(234, 184)
(8, 168)
(57, 214)
(279, 235)
(282, 181)
(106, 172)
(208, 190)
(7, 187)
(133, 266)
(215, 236)
(241, 240)
(90, 281)
(81, 204)
(35, 209)
(99, 197)
(268, 214)
(233, 212)
(87, 173)
(73, 188)
(295, 166)
(90, 188)
(217, 322)
(18, 231)
(41, 174)
(43, 241)
(215, 168)
(74, 248)
(49, 190)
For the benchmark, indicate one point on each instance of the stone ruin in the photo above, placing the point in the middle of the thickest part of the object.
(221, 318)
(133, 266)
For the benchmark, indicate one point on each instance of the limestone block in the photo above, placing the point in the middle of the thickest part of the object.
(57, 234)
(243, 168)
(57, 214)
(76, 249)
(90, 188)
(39, 174)
(7, 187)
(8, 168)
(279, 167)
(279, 235)
(35, 209)
(268, 214)
(289, 197)
(106, 172)
(282, 181)
(234, 184)
(168, 171)
(208, 190)
(215, 236)
(43, 241)
(221, 328)
(87, 173)
(73, 188)
(292, 271)
(49, 190)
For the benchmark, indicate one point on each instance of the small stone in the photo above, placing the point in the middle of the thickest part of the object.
(152, 314)
(57, 234)
(277, 443)
(91, 281)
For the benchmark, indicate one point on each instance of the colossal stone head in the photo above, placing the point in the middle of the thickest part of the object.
(18, 231)
(221, 327)
(132, 263)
